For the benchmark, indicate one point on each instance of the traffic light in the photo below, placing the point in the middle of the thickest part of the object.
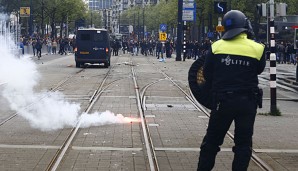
(220, 7)
(262, 9)
(281, 9)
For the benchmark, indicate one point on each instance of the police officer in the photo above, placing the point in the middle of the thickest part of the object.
(231, 67)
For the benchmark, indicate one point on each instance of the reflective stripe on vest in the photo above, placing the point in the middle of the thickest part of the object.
(240, 45)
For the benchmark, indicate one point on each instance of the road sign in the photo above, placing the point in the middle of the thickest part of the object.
(210, 35)
(220, 7)
(188, 1)
(189, 5)
(24, 11)
(188, 15)
(163, 27)
(189, 10)
(220, 28)
(162, 36)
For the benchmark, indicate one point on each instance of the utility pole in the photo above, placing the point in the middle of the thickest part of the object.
(91, 24)
(18, 23)
(138, 26)
(273, 107)
(42, 18)
(31, 19)
(179, 31)
(119, 21)
(66, 25)
(144, 22)
(105, 17)
(134, 22)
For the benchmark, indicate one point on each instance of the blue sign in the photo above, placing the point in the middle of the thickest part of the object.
(220, 7)
(210, 35)
(189, 12)
(163, 27)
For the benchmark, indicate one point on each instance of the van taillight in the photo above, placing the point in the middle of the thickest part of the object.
(107, 50)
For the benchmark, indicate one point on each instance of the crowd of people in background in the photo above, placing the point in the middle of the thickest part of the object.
(159, 49)
(285, 51)
(53, 46)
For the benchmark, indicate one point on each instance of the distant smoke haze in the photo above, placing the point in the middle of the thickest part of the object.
(46, 111)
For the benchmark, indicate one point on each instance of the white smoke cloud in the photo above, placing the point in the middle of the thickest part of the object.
(46, 111)
(107, 117)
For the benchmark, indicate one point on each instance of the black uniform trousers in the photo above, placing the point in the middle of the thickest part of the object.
(240, 108)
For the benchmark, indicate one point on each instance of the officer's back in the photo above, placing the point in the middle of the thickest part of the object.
(231, 68)
(237, 64)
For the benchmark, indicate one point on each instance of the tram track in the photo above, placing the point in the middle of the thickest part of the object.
(59, 155)
(189, 96)
(148, 142)
(148, 146)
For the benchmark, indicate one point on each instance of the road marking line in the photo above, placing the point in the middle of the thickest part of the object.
(230, 150)
(29, 146)
(152, 124)
(106, 148)
(185, 149)
(149, 116)
(276, 151)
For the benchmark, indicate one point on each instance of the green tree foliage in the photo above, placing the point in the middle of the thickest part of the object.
(57, 12)
(93, 18)
(164, 12)
(52, 12)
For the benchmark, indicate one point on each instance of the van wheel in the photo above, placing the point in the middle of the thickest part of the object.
(106, 64)
(78, 64)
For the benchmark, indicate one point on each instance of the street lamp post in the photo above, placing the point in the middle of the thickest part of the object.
(138, 26)
(91, 20)
(31, 19)
(119, 22)
(179, 32)
(42, 18)
(105, 18)
(144, 22)
(145, 3)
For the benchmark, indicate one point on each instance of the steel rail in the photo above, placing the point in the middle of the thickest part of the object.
(197, 105)
(147, 138)
(56, 160)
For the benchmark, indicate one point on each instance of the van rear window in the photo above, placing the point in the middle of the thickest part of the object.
(97, 37)
(85, 37)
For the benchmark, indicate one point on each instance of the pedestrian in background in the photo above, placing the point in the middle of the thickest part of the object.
(231, 67)
(22, 47)
(34, 46)
(49, 45)
(168, 49)
(38, 47)
(159, 50)
(54, 46)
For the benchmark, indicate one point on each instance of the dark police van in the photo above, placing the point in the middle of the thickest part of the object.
(92, 46)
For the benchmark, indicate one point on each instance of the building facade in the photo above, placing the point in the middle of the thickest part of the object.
(111, 10)
(99, 4)
(104, 7)
(121, 5)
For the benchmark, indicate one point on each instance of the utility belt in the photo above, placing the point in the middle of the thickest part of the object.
(256, 94)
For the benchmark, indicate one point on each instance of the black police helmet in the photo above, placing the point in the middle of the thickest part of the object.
(235, 22)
